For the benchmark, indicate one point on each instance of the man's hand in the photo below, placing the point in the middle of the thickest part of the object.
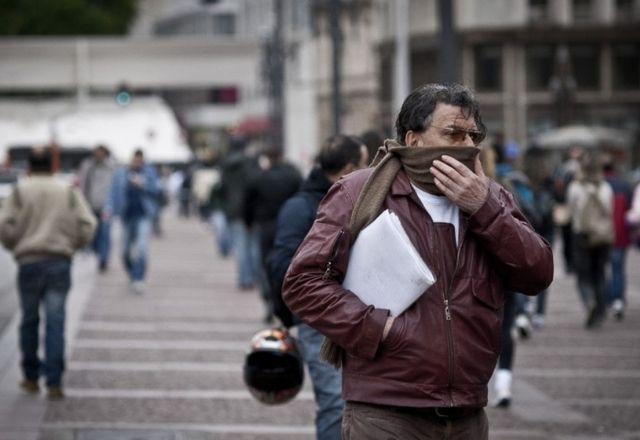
(467, 190)
(387, 326)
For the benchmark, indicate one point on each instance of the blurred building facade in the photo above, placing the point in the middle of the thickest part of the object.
(530, 60)
(533, 64)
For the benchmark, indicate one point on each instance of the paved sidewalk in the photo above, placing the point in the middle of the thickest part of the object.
(167, 365)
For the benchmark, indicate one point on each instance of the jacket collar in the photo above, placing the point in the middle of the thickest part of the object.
(401, 185)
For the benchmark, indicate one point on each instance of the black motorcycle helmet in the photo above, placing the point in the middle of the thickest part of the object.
(273, 369)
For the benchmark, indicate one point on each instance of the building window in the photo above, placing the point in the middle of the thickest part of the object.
(626, 10)
(540, 63)
(582, 10)
(626, 66)
(538, 11)
(224, 95)
(585, 66)
(224, 24)
(488, 68)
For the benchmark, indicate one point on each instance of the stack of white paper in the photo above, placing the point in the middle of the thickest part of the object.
(385, 270)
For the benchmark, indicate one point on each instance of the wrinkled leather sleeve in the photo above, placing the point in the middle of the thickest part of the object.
(320, 300)
(523, 258)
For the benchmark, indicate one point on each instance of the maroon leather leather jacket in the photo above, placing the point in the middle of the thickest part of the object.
(443, 349)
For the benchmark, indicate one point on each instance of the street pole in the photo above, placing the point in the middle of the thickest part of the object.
(448, 55)
(277, 72)
(335, 12)
(402, 73)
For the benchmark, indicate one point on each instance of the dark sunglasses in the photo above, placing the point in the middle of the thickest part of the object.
(459, 134)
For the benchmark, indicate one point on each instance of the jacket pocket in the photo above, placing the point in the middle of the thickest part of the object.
(488, 293)
(396, 334)
(330, 250)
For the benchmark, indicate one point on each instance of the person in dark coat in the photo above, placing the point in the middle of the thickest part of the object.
(237, 169)
(339, 156)
(266, 192)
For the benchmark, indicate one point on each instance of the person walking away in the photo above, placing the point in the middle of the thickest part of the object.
(617, 284)
(134, 198)
(265, 194)
(590, 200)
(339, 156)
(536, 207)
(563, 177)
(94, 177)
(43, 222)
(237, 170)
(423, 373)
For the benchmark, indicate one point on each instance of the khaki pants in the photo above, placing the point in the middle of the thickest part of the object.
(370, 422)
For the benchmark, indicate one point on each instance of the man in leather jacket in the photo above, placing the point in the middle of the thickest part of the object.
(423, 373)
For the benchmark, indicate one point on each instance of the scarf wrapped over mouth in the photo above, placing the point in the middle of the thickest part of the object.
(416, 161)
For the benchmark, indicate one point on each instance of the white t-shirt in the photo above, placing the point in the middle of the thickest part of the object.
(440, 208)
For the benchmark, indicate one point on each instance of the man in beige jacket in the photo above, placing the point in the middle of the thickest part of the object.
(43, 222)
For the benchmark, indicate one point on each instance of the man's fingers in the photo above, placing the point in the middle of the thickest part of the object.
(456, 165)
(443, 177)
(444, 189)
(478, 167)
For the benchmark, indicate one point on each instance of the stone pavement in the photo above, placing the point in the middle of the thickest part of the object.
(167, 365)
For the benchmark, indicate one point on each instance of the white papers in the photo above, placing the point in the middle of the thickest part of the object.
(385, 269)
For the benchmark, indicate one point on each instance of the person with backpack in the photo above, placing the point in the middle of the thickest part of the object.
(339, 156)
(590, 200)
(617, 283)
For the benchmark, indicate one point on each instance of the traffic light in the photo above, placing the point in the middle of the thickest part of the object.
(123, 96)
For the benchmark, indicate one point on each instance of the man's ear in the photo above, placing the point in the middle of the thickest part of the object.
(412, 139)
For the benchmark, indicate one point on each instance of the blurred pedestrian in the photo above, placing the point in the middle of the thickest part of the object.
(518, 184)
(266, 192)
(617, 284)
(162, 196)
(536, 205)
(562, 215)
(423, 373)
(373, 141)
(184, 193)
(43, 222)
(218, 220)
(237, 170)
(134, 198)
(95, 176)
(339, 156)
(590, 200)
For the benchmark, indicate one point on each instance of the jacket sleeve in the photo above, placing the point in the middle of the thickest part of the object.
(85, 220)
(8, 221)
(523, 258)
(312, 287)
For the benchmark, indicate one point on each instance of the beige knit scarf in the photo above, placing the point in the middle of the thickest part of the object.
(390, 158)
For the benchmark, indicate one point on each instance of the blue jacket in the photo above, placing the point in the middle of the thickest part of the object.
(294, 221)
(116, 203)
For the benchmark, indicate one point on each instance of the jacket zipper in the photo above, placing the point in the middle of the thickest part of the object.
(447, 315)
(334, 254)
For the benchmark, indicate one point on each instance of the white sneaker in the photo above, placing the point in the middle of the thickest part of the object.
(618, 309)
(503, 389)
(137, 287)
(523, 324)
